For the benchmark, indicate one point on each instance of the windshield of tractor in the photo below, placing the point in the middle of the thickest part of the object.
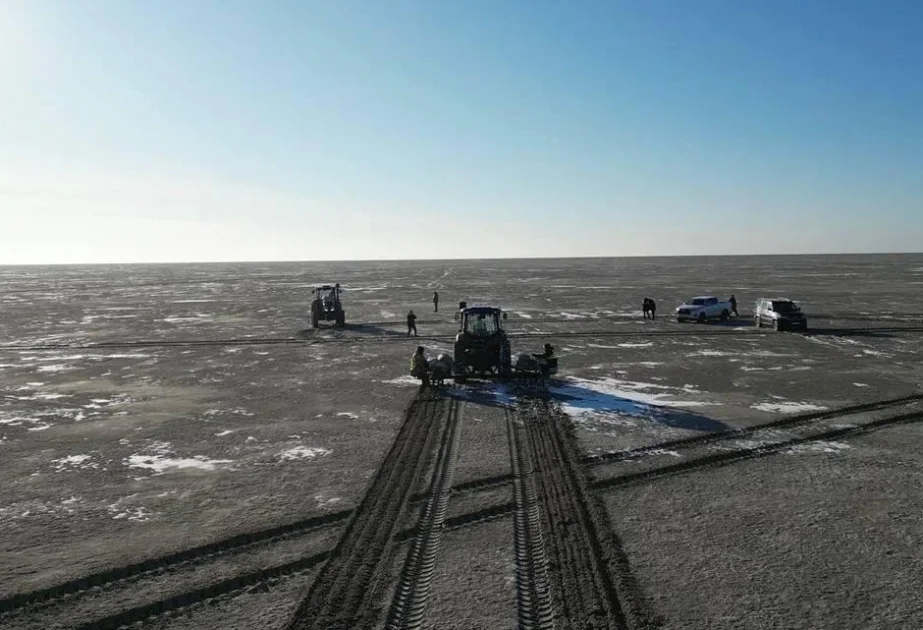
(329, 298)
(482, 324)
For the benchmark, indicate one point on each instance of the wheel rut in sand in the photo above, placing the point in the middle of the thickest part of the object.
(533, 590)
(409, 603)
(591, 583)
(338, 598)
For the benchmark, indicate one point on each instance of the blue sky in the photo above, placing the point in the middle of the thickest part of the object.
(183, 130)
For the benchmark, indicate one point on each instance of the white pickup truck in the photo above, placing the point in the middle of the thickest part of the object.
(703, 308)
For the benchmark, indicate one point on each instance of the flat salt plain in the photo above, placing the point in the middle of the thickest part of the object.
(115, 452)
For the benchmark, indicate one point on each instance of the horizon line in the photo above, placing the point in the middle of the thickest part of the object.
(458, 259)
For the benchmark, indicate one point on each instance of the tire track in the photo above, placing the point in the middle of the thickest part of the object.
(409, 602)
(337, 598)
(185, 600)
(592, 582)
(111, 578)
(717, 460)
(533, 590)
(125, 575)
(787, 422)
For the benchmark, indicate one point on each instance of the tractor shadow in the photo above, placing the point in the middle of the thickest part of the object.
(483, 394)
(365, 329)
(585, 399)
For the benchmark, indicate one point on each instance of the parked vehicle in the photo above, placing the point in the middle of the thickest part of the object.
(701, 309)
(326, 306)
(780, 313)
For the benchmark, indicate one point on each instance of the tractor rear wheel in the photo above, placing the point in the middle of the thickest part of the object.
(341, 319)
(506, 362)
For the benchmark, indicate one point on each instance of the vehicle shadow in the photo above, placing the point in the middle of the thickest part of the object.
(368, 329)
(582, 398)
(484, 394)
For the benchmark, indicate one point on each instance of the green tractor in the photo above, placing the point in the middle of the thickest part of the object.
(326, 306)
(482, 348)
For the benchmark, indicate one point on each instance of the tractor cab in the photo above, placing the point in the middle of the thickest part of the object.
(480, 321)
(481, 345)
(326, 305)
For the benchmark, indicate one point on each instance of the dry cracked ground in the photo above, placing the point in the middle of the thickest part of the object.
(176, 450)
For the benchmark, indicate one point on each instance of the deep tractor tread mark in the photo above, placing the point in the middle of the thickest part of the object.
(572, 334)
(790, 421)
(146, 568)
(533, 591)
(337, 599)
(188, 599)
(717, 460)
(593, 583)
(409, 603)
(126, 574)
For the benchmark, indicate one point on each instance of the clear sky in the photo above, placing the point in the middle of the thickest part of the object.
(187, 130)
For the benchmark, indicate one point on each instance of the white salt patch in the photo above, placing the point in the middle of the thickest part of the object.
(160, 462)
(34, 384)
(403, 380)
(571, 316)
(348, 414)
(645, 344)
(817, 447)
(606, 393)
(523, 315)
(787, 407)
(712, 353)
(302, 452)
(55, 368)
(73, 461)
(223, 433)
(860, 384)
(41, 397)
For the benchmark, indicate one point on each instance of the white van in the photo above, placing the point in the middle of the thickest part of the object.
(780, 313)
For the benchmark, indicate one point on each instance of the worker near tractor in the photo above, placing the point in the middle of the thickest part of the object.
(435, 301)
(419, 366)
(411, 324)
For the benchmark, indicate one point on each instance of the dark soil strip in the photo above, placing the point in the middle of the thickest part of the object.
(146, 568)
(593, 585)
(409, 603)
(533, 590)
(480, 516)
(717, 460)
(337, 600)
(219, 589)
(790, 421)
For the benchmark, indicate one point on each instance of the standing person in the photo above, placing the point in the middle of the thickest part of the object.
(419, 366)
(733, 302)
(411, 324)
(652, 307)
(646, 307)
(435, 301)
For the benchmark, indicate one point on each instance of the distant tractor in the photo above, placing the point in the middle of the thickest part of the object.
(326, 306)
(481, 345)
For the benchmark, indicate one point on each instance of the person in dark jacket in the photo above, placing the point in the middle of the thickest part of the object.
(733, 301)
(646, 307)
(652, 308)
(435, 301)
(411, 324)
(419, 366)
